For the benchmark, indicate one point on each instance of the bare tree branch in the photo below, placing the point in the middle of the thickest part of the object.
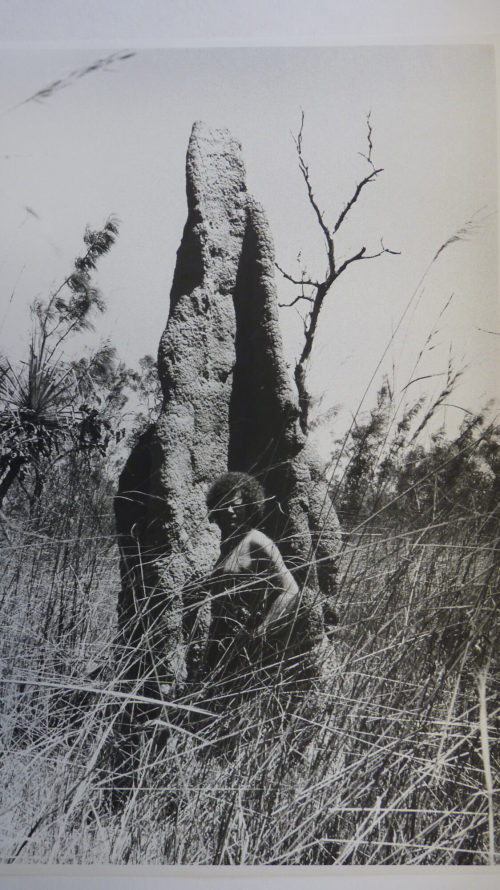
(368, 156)
(298, 281)
(362, 255)
(373, 256)
(357, 256)
(352, 201)
(304, 169)
(297, 299)
(322, 288)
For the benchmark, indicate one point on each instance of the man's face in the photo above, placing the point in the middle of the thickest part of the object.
(231, 515)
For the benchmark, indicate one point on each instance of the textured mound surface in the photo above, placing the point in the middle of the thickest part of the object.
(229, 403)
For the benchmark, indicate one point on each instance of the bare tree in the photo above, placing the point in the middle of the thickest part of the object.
(313, 292)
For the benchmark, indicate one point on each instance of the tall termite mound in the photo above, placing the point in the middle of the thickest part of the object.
(228, 403)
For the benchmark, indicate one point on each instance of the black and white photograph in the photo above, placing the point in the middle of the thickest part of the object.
(249, 455)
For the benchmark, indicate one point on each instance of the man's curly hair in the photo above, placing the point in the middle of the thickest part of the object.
(229, 484)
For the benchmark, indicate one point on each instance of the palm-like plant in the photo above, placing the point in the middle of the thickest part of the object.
(39, 400)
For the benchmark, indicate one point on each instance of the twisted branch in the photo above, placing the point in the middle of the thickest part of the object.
(322, 288)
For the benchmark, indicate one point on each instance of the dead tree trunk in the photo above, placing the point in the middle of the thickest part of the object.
(228, 403)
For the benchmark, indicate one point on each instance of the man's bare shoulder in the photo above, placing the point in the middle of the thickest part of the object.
(260, 544)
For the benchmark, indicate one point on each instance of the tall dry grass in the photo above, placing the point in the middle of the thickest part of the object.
(399, 759)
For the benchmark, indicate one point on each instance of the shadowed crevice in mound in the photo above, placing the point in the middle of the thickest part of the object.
(265, 438)
(263, 410)
(229, 403)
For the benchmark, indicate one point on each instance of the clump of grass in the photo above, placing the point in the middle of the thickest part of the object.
(394, 771)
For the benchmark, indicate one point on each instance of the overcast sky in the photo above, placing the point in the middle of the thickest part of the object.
(114, 142)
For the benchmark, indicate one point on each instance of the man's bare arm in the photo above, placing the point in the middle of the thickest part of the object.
(266, 555)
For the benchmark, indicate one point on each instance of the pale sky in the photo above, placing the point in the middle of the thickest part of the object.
(114, 142)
